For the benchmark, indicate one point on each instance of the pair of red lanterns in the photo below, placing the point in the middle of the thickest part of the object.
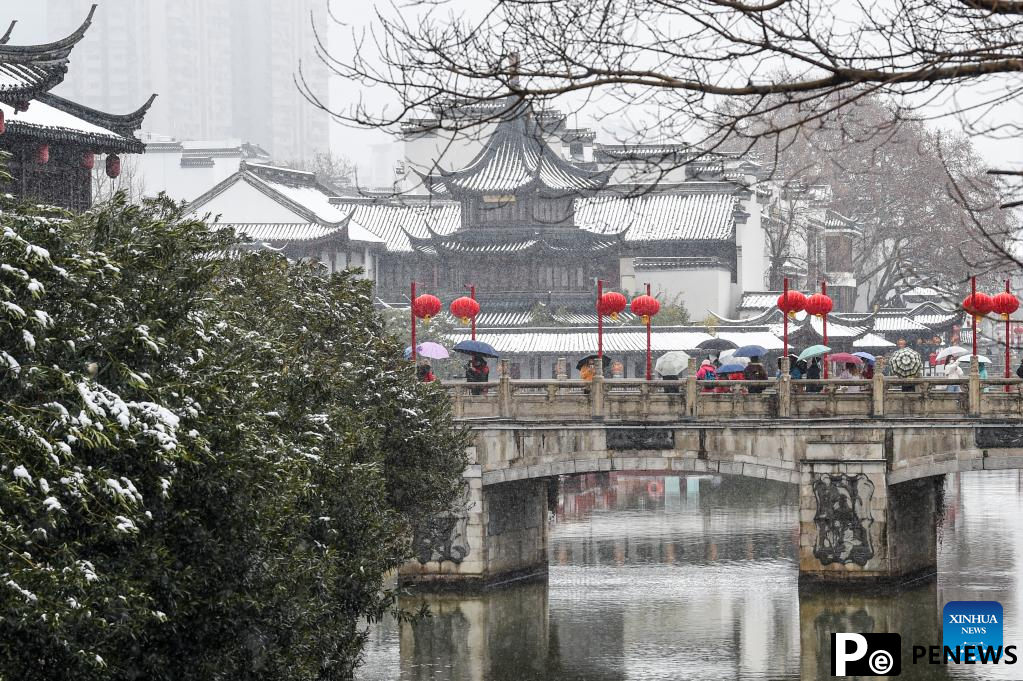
(613, 303)
(428, 306)
(818, 304)
(981, 304)
(88, 160)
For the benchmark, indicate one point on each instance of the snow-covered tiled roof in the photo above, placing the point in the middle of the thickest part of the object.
(569, 342)
(516, 157)
(27, 70)
(660, 216)
(758, 300)
(884, 322)
(49, 117)
(872, 340)
(280, 232)
(391, 222)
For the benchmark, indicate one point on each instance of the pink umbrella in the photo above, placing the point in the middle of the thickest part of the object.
(845, 358)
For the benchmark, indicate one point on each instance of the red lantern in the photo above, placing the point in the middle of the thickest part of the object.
(978, 304)
(791, 302)
(113, 166)
(611, 304)
(645, 307)
(43, 154)
(426, 307)
(818, 304)
(465, 308)
(1004, 304)
(88, 160)
(3, 123)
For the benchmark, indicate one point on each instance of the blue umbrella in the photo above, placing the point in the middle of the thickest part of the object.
(750, 351)
(475, 347)
(865, 356)
(730, 369)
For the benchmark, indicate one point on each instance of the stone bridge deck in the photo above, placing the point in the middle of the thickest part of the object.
(868, 457)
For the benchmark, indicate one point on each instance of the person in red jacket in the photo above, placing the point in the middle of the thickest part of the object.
(425, 373)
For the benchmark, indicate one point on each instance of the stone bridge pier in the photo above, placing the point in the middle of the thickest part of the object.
(870, 494)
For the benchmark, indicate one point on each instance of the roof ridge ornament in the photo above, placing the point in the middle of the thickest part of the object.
(7, 36)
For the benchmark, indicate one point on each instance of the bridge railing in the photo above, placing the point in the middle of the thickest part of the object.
(660, 400)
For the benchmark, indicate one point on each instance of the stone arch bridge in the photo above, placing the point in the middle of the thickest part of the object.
(868, 456)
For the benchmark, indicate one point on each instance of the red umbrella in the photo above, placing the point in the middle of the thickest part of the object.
(845, 358)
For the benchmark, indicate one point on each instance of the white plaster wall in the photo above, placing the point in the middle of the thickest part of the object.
(243, 203)
(750, 237)
(700, 290)
(162, 172)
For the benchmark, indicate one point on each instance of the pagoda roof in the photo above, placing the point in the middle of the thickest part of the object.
(461, 243)
(517, 159)
(52, 118)
(28, 70)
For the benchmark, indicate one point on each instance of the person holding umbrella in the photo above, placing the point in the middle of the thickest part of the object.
(755, 371)
(477, 371)
(953, 371)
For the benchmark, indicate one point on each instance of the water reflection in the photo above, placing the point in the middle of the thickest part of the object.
(693, 578)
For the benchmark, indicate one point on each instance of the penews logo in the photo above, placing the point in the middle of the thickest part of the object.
(975, 627)
(866, 654)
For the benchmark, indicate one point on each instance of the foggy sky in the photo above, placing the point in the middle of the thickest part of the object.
(364, 147)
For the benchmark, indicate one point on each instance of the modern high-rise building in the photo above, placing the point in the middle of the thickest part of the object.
(222, 68)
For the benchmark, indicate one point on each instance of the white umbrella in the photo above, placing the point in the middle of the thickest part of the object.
(672, 363)
(951, 351)
(728, 357)
(981, 359)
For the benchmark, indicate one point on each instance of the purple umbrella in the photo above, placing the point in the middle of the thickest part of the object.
(430, 350)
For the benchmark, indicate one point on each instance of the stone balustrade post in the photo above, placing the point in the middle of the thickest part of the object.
(974, 387)
(878, 387)
(504, 391)
(597, 390)
(692, 392)
(562, 369)
(784, 390)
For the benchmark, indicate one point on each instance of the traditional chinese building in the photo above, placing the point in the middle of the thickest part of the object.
(52, 142)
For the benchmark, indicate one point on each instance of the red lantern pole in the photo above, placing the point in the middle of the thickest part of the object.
(1007, 358)
(824, 317)
(785, 315)
(472, 294)
(649, 364)
(973, 303)
(600, 323)
(413, 311)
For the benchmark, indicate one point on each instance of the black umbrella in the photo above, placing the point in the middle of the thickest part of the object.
(607, 361)
(717, 344)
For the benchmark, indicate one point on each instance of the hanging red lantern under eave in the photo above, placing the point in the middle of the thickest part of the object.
(791, 302)
(1004, 304)
(113, 166)
(465, 308)
(818, 304)
(978, 304)
(611, 304)
(426, 307)
(43, 154)
(645, 307)
(88, 160)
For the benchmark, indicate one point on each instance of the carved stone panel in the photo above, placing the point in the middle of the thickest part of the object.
(443, 537)
(843, 518)
(640, 438)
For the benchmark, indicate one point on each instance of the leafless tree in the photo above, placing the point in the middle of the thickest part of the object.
(337, 171)
(733, 74)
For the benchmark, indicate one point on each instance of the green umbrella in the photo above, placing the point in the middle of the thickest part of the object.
(813, 351)
(906, 363)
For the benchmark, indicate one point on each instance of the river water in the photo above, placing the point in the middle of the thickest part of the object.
(655, 577)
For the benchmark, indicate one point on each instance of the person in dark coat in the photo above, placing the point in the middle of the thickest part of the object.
(755, 371)
(813, 373)
(477, 371)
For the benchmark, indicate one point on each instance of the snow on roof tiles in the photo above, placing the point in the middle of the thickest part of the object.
(298, 231)
(390, 222)
(660, 217)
